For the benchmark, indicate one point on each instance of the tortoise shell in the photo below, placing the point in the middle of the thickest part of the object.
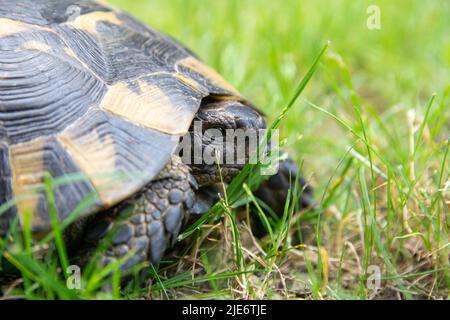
(93, 98)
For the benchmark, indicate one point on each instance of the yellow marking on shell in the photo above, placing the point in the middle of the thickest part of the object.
(207, 72)
(27, 173)
(150, 108)
(9, 27)
(95, 156)
(88, 22)
(36, 45)
(71, 53)
(191, 83)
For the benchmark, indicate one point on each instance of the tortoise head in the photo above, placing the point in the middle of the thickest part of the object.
(224, 134)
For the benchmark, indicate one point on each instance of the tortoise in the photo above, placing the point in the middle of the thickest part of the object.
(98, 100)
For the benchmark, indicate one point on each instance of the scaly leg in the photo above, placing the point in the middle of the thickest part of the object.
(147, 222)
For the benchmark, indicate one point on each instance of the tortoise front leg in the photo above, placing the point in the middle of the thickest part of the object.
(274, 191)
(147, 222)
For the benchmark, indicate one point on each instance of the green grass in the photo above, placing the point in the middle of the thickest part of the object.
(371, 131)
